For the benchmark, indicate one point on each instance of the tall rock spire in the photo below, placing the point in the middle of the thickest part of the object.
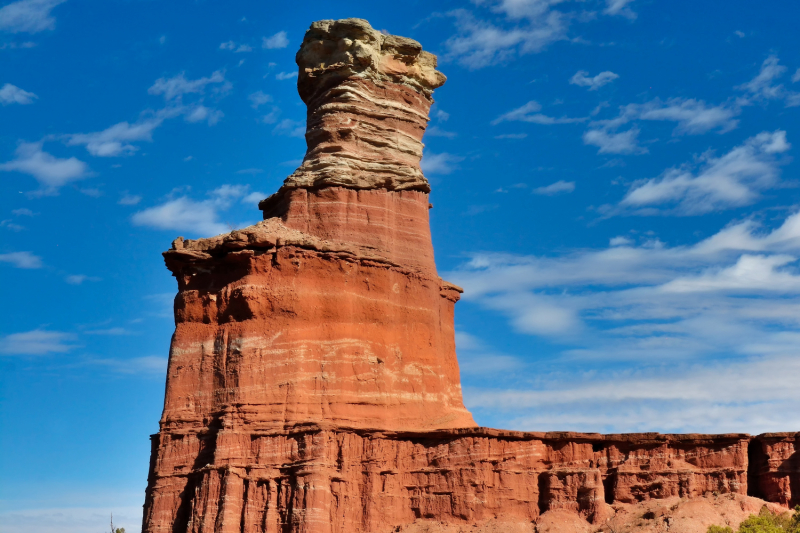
(330, 311)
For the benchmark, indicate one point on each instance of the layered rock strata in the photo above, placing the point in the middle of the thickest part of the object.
(313, 384)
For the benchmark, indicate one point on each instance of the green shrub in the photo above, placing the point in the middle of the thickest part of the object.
(719, 529)
(765, 522)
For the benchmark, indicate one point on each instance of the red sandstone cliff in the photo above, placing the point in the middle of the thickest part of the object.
(313, 384)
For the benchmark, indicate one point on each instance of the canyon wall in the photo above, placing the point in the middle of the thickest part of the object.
(313, 384)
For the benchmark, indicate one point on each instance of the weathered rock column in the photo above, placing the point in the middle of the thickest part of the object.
(328, 313)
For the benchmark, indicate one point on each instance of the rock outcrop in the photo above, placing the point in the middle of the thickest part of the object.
(313, 384)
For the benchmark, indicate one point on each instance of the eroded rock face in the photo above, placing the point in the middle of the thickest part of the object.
(313, 384)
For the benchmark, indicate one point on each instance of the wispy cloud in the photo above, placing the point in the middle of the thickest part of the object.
(22, 259)
(11, 94)
(731, 180)
(37, 342)
(436, 131)
(479, 43)
(28, 16)
(736, 293)
(619, 7)
(278, 40)
(559, 187)
(119, 139)
(259, 98)
(147, 365)
(286, 75)
(78, 279)
(233, 47)
(754, 395)
(290, 128)
(442, 163)
(116, 140)
(609, 142)
(693, 117)
(174, 88)
(530, 113)
(582, 79)
(129, 199)
(50, 171)
(192, 216)
(764, 86)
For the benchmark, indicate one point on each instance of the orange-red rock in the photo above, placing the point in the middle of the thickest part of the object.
(313, 384)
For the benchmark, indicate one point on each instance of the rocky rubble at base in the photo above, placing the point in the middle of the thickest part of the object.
(675, 515)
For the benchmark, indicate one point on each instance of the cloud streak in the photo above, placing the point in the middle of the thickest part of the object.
(50, 171)
(731, 180)
(11, 94)
(28, 16)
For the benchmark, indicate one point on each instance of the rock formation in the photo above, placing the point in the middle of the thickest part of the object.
(313, 384)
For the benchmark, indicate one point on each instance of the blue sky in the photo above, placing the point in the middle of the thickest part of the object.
(615, 185)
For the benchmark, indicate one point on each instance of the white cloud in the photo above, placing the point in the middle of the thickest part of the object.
(693, 116)
(129, 199)
(511, 136)
(436, 131)
(252, 171)
(480, 43)
(22, 259)
(147, 365)
(764, 86)
(619, 7)
(528, 113)
(620, 241)
(36, 342)
(289, 127)
(116, 140)
(175, 87)
(259, 98)
(200, 113)
(753, 395)
(796, 76)
(751, 273)
(624, 142)
(734, 294)
(559, 187)
(50, 171)
(23, 211)
(11, 94)
(28, 16)
(78, 279)
(286, 75)
(279, 40)
(10, 224)
(444, 116)
(442, 163)
(731, 180)
(230, 45)
(191, 216)
(582, 79)
(254, 197)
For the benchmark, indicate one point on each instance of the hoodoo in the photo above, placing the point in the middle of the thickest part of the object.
(313, 384)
